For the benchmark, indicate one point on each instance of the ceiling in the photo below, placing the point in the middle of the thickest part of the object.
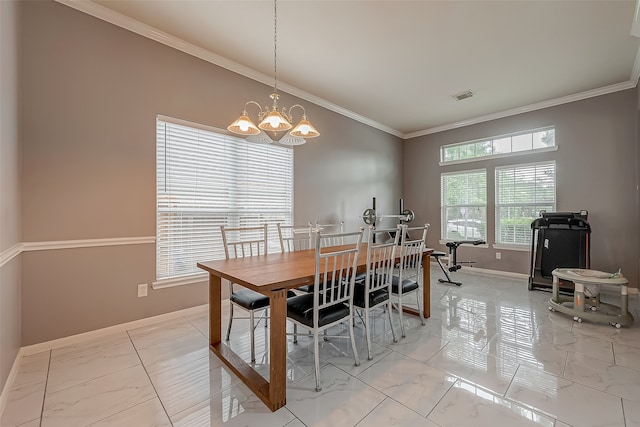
(397, 64)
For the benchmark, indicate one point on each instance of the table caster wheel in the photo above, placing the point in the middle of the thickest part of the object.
(594, 308)
(617, 325)
(577, 319)
(551, 309)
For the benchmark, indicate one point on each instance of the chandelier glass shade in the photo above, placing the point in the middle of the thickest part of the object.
(275, 121)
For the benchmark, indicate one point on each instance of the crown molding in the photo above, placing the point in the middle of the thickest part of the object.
(527, 108)
(123, 21)
(167, 39)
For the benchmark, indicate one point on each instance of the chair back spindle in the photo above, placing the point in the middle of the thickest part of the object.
(294, 237)
(335, 271)
(240, 242)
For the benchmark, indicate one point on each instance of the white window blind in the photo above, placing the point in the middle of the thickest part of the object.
(521, 193)
(464, 205)
(207, 179)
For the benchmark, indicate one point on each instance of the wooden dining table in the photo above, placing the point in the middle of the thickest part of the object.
(273, 275)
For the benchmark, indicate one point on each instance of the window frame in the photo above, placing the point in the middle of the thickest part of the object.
(492, 141)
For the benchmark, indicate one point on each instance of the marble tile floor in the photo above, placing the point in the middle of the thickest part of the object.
(491, 354)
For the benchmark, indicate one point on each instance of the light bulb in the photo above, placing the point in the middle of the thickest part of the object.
(304, 129)
(274, 122)
(244, 125)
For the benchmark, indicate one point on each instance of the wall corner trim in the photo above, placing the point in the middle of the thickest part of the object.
(4, 396)
(8, 254)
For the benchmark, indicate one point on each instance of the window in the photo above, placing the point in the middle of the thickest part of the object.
(207, 179)
(529, 141)
(522, 191)
(464, 205)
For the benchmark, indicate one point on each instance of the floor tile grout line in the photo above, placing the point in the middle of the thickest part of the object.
(458, 379)
(372, 409)
(93, 379)
(122, 411)
(149, 378)
(566, 379)
(46, 384)
(506, 391)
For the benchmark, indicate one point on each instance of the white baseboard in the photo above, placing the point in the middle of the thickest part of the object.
(488, 272)
(4, 396)
(74, 339)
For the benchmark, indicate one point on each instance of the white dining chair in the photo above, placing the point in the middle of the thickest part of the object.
(374, 290)
(331, 302)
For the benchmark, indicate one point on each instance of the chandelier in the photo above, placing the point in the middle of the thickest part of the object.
(276, 121)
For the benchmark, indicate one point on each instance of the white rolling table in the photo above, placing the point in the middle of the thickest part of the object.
(599, 312)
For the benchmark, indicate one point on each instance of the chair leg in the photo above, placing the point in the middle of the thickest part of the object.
(295, 333)
(230, 319)
(402, 333)
(419, 307)
(251, 332)
(353, 341)
(367, 330)
(316, 352)
(393, 331)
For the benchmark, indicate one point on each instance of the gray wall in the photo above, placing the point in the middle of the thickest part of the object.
(91, 92)
(10, 272)
(596, 170)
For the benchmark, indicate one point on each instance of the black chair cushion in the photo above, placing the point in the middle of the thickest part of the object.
(251, 300)
(375, 298)
(437, 254)
(300, 308)
(408, 285)
(361, 276)
(306, 288)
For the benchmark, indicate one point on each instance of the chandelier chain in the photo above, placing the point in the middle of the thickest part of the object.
(275, 46)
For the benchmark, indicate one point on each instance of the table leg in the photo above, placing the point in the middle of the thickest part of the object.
(278, 349)
(426, 285)
(426, 289)
(274, 392)
(215, 309)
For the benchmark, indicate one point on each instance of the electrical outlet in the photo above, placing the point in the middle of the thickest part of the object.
(498, 255)
(142, 290)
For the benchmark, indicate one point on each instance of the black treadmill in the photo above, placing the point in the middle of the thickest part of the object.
(559, 240)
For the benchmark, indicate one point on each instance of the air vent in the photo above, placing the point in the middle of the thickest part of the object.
(464, 95)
